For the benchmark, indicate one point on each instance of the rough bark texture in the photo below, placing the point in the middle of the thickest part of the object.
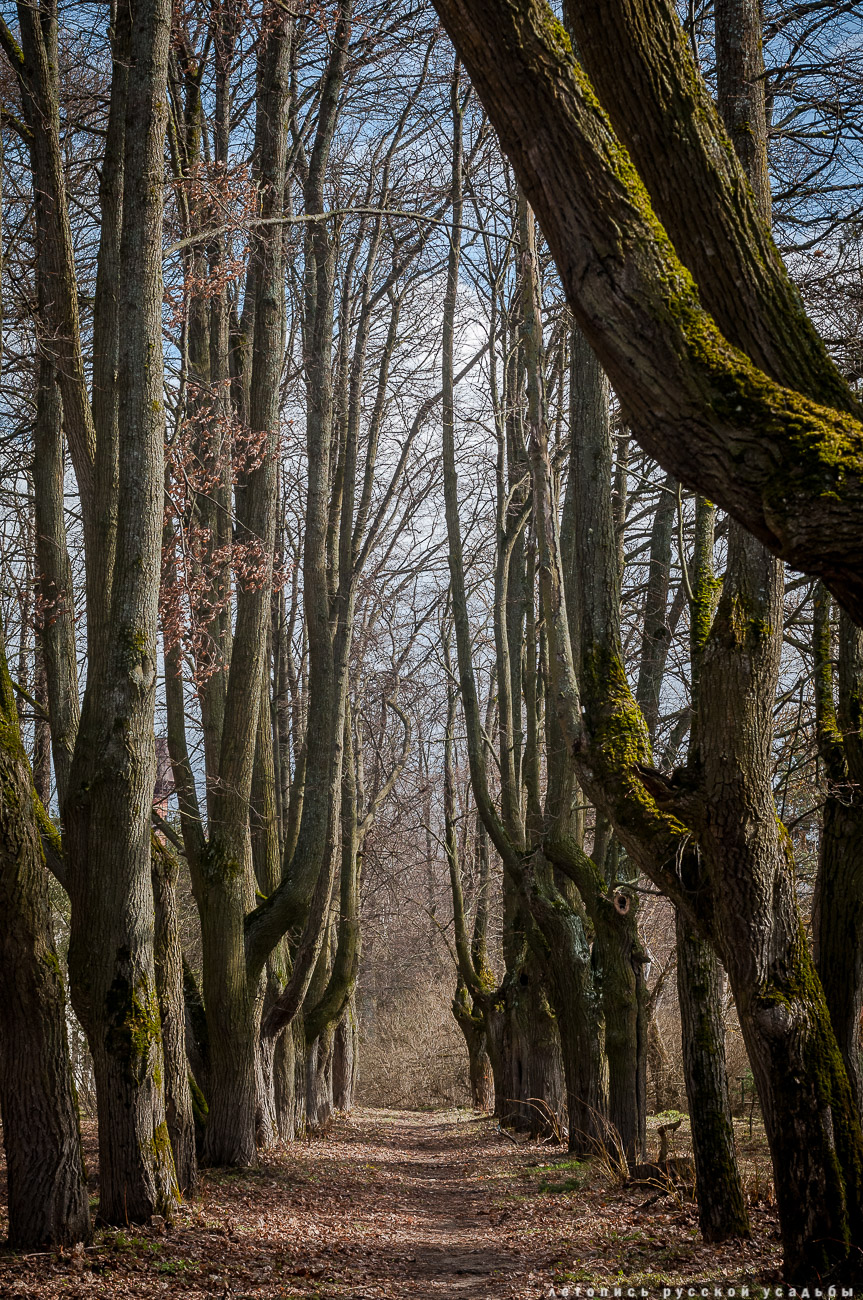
(172, 1014)
(771, 456)
(107, 811)
(346, 1059)
(48, 1199)
(524, 1047)
(721, 1205)
(837, 907)
(810, 1118)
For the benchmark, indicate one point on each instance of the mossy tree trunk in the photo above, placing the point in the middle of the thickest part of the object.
(586, 552)
(772, 457)
(47, 1189)
(810, 1118)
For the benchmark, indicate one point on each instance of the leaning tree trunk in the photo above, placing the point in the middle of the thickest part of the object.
(48, 1201)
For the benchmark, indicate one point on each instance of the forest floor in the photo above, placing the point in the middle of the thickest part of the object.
(411, 1204)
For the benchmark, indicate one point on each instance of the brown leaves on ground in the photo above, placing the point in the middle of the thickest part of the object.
(395, 1203)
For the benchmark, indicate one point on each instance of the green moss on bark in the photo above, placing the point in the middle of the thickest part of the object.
(134, 1027)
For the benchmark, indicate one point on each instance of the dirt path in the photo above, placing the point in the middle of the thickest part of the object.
(397, 1204)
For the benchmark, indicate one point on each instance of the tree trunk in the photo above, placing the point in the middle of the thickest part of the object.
(810, 1117)
(837, 906)
(621, 958)
(665, 1094)
(232, 1023)
(530, 1094)
(695, 402)
(471, 1022)
(346, 1059)
(48, 1201)
(172, 1014)
(319, 1082)
(107, 810)
(721, 1205)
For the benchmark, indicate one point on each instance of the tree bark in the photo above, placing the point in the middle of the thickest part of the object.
(107, 810)
(471, 1022)
(179, 1114)
(48, 1200)
(721, 1204)
(837, 906)
(346, 1059)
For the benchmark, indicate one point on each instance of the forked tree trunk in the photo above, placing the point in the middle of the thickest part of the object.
(48, 1201)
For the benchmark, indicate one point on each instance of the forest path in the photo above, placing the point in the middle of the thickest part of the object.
(399, 1205)
(428, 1204)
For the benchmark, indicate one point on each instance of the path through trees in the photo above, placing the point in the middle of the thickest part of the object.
(408, 1204)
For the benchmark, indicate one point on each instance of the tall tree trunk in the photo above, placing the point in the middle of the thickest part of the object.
(721, 1204)
(810, 1118)
(107, 809)
(165, 870)
(54, 587)
(530, 1093)
(48, 1200)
